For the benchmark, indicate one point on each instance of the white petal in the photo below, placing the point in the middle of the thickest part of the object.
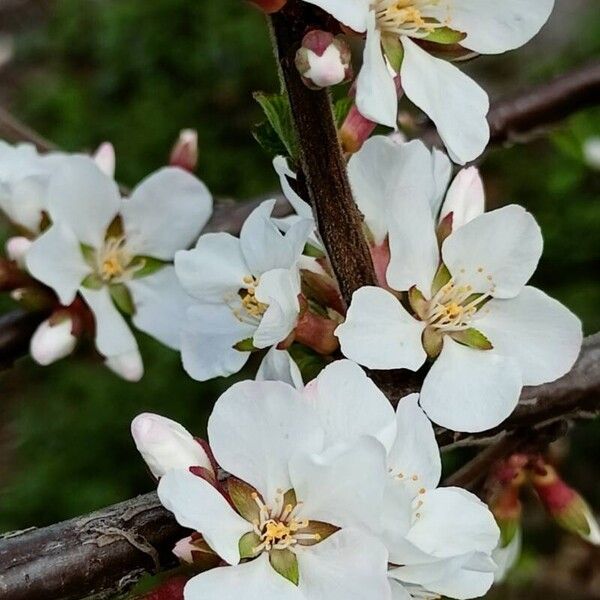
(84, 199)
(502, 247)
(350, 405)
(543, 335)
(24, 201)
(278, 365)
(493, 27)
(349, 565)
(55, 259)
(386, 176)
(505, 558)
(51, 342)
(376, 95)
(113, 335)
(161, 306)
(465, 198)
(399, 592)
(214, 269)
(442, 172)
(166, 213)
(452, 522)
(254, 429)
(453, 101)
(128, 365)
(278, 289)
(105, 159)
(343, 486)
(254, 580)
(198, 505)
(208, 340)
(352, 13)
(470, 390)
(415, 451)
(284, 172)
(379, 334)
(464, 584)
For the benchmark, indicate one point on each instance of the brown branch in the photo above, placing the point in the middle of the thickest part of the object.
(322, 165)
(14, 130)
(16, 329)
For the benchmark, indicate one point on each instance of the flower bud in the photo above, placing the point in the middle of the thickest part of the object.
(323, 60)
(129, 366)
(564, 504)
(269, 6)
(465, 198)
(165, 445)
(52, 340)
(185, 151)
(105, 159)
(16, 249)
(591, 152)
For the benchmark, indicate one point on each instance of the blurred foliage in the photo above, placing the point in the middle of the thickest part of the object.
(137, 72)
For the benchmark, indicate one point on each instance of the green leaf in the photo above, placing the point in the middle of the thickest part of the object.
(247, 543)
(286, 564)
(268, 140)
(445, 35)
(241, 495)
(442, 277)
(147, 265)
(341, 108)
(93, 282)
(433, 342)
(279, 115)
(319, 529)
(472, 338)
(121, 295)
(394, 52)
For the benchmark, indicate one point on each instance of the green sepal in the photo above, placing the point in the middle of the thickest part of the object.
(418, 302)
(442, 277)
(471, 337)
(433, 342)
(148, 265)
(323, 530)
(508, 530)
(121, 296)
(313, 251)
(286, 564)
(394, 52)
(445, 35)
(246, 345)
(89, 254)
(240, 494)
(93, 282)
(290, 498)
(247, 543)
(278, 111)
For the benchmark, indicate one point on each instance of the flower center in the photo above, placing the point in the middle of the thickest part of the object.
(405, 17)
(114, 261)
(278, 528)
(245, 305)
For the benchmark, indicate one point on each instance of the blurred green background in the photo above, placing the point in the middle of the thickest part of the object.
(136, 72)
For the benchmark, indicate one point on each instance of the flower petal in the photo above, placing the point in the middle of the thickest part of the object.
(254, 429)
(343, 486)
(55, 259)
(453, 101)
(399, 592)
(214, 269)
(161, 306)
(376, 95)
(198, 505)
(166, 213)
(543, 335)
(442, 172)
(501, 248)
(300, 206)
(465, 198)
(278, 365)
(352, 13)
(470, 390)
(83, 198)
(379, 334)
(350, 405)
(348, 565)
(415, 451)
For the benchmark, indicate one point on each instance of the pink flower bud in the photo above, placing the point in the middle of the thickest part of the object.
(16, 249)
(323, 60)
(165, 444)
(185, 151)
(52, 341)
(105, 159)
(129, 366)
(465, 198)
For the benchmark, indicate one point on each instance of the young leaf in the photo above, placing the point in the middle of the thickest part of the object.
(279, 115)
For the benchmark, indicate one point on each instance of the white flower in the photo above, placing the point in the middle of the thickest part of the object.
(52, 341)
(491, 333)
(456, 104)
(298, 528)
(246, 290)
(117, 251)
(278, 365)
(591, 152)
(165, 445)
(507, 556)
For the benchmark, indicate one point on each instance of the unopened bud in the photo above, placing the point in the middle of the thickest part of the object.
(323, 60)
(185, 151)
(129, 366)
(465, 198)
(269, 6)
(52, 341)
(165, 444)
(16, 249)
(564, 504)
(105, 159)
